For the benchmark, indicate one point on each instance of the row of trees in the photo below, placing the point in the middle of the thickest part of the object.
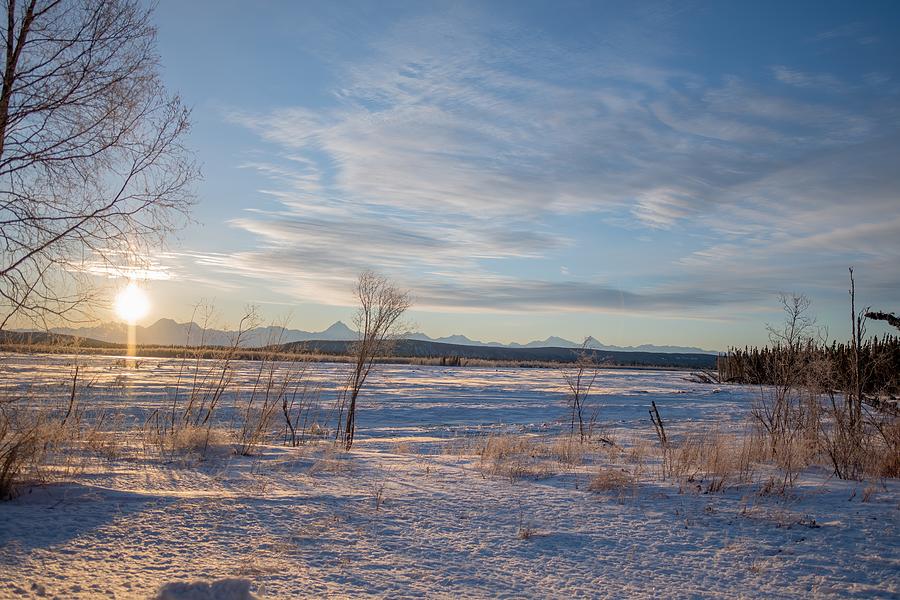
(879, 359)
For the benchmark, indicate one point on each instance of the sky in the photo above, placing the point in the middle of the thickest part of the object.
(647, 172)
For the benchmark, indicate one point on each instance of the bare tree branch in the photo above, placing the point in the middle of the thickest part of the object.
(890, 318)
(92, 165)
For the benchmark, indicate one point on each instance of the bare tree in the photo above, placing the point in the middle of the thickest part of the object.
(381, 304)
(777, 409)
(92, 166)
(862, 427)
(580, 379)
(858, 333)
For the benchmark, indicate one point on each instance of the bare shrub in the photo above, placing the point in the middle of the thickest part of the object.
(779, 409)
(770, 487)
(36, 446)
(887, 463)
(205, 382)
(46, 442)
(20, 448)
(274, 384)
(199, 391)
(612, 480)
(186, 425)
(861, 435)
(525, 530)
(299, 409)
(793, 456)
(580, 379)
(377, 490)
(256, 422)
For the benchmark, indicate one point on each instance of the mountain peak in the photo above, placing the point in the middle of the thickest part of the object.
(168, 324)
(337, 331)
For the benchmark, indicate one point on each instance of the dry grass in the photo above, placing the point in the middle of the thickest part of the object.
(188, 441)
(567, 450)
(514, 457)
(525, 456)
(869, 493)
(331, 459)
(404, 448)
(202, 440)
(107, 444)
(41, 442)
(886, 456)
(608, 479)
(638, 451)
(377, 491)
(712, 461)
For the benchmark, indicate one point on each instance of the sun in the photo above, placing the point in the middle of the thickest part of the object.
(132, 303)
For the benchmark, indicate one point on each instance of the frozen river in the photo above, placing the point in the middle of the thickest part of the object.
(399, 400)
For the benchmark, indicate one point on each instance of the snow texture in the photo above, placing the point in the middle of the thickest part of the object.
(401, 517)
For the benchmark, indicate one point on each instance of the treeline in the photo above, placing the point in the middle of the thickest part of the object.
(439, 351)
(833, 365)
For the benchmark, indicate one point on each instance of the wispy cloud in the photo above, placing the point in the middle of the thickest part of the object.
(451, 149)
(855, 31)
(807, 80)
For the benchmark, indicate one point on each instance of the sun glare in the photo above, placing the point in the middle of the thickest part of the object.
(132, 303)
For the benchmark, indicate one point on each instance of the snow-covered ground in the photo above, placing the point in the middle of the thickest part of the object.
(410, 512)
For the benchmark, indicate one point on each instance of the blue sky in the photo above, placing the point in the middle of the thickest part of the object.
(640, 172)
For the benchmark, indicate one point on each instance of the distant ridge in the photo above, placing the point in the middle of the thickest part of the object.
(455, 354)
(167, 332)
(411, 348)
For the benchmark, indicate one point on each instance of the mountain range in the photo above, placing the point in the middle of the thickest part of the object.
(167, 332)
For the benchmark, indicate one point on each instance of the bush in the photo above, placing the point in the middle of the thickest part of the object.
(18, 450)
(28, 440)
(611, 480)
